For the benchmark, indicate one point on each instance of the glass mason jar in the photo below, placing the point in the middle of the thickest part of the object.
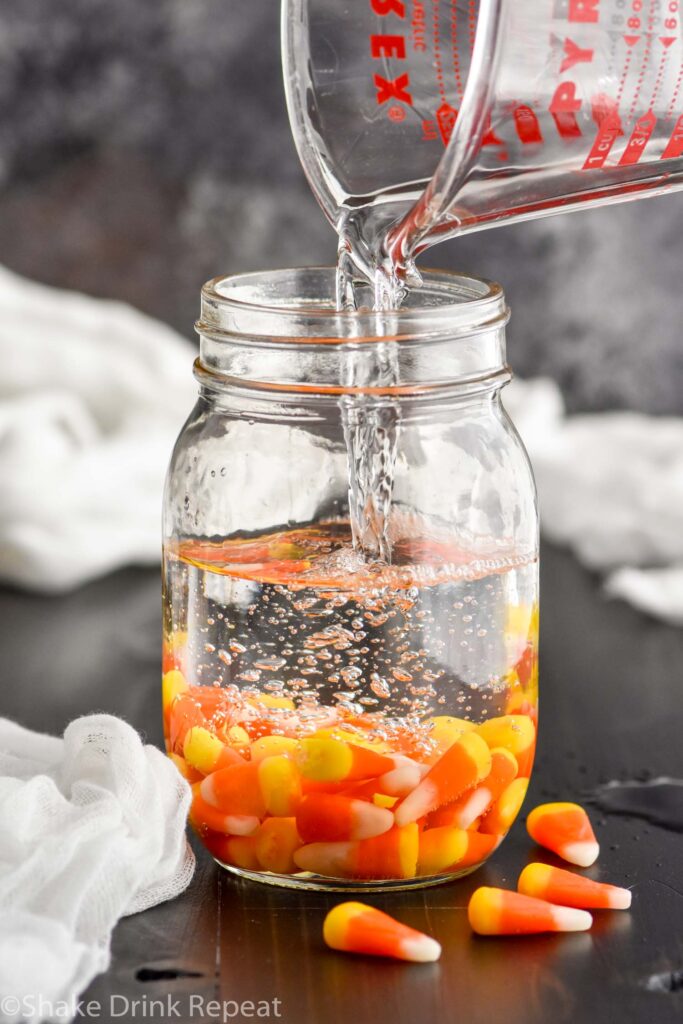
(350, 585)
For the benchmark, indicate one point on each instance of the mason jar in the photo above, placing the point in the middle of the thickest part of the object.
(350, 584)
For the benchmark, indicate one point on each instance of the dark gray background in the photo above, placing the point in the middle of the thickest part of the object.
(144, 147)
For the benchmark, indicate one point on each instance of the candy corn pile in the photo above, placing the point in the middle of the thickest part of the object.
(275, 793)
(548, 899)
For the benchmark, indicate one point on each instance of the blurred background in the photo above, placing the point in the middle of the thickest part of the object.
(145, 148)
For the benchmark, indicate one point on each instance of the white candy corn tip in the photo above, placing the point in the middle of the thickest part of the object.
(620, 899)
(476, 805)
(422, 949)
(569, 919)
(370, 821)
(421, 801)
(241, 824)
(583, 854)
(401, 779)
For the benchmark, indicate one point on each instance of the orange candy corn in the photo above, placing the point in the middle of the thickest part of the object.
(280, 784)
(440, 850)
(461, 813)
(357, 928)
(205, 752)
(237, 850)
(392, 855)
(235, 790)
(501, 912)
(187, 772)
(565, 829)
(204, 816)
(559, 886)
(465, 763)
(505, 809)
(517, 733)
(275, 843)
(184, 713)
(452, 849)
(402, 778)
(173, 684)
(327, 816)
(325, 759)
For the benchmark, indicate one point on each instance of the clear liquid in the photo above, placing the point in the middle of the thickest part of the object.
(302, 616)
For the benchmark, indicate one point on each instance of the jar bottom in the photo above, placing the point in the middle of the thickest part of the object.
(318, 883)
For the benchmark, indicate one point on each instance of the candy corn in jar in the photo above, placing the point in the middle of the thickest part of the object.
(350, 586)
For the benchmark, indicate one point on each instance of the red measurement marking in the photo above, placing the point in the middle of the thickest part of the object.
(489, 137)
(675, 144)
(446, 116)
(527, 126)
(640, 137)
(624, 75)
(677, 88)
(609, 130)
(438, 65)
(660, 76)
(472, 21)
(454, 45)
(644, 60)
(563, 107)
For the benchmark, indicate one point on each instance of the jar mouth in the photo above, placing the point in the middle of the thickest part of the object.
(297, 306)
(279, 330)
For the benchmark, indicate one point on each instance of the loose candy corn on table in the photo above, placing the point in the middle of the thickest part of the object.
(610, 709)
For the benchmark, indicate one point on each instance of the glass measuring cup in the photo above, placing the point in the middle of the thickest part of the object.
(416, 121)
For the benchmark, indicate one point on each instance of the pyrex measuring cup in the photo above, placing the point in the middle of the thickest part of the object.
(420, 119)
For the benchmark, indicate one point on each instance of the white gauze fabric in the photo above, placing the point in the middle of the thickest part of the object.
(92, 397)
(92, 828)
(610, 487)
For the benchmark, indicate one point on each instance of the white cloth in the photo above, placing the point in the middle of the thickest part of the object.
(92, 395)
(610, 487)
(92, 827)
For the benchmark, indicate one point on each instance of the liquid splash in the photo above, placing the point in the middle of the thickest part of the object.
(659, 801)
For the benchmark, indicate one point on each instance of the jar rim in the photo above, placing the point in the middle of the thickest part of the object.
(296, 306)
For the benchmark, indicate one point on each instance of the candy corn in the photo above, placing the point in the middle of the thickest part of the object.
(327, 816)
(237, 850)
(275, 843)
(358, 928)
(205, 816)
(501, 912)
(184, 713)
(324, 759)
(565, 829)
(205, 752)
(173, 684)
(235, 790)
(444, 730)
(505, 809)
(465, 763)
(269, 746)
(191, 774)
(280, 784)
(402, 778)
(440, 849)
(516, 733)
(391, 855)
(571, 890)
(445, 849)
(461, 813)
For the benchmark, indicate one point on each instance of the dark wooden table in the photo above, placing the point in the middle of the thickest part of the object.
(611, 692)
